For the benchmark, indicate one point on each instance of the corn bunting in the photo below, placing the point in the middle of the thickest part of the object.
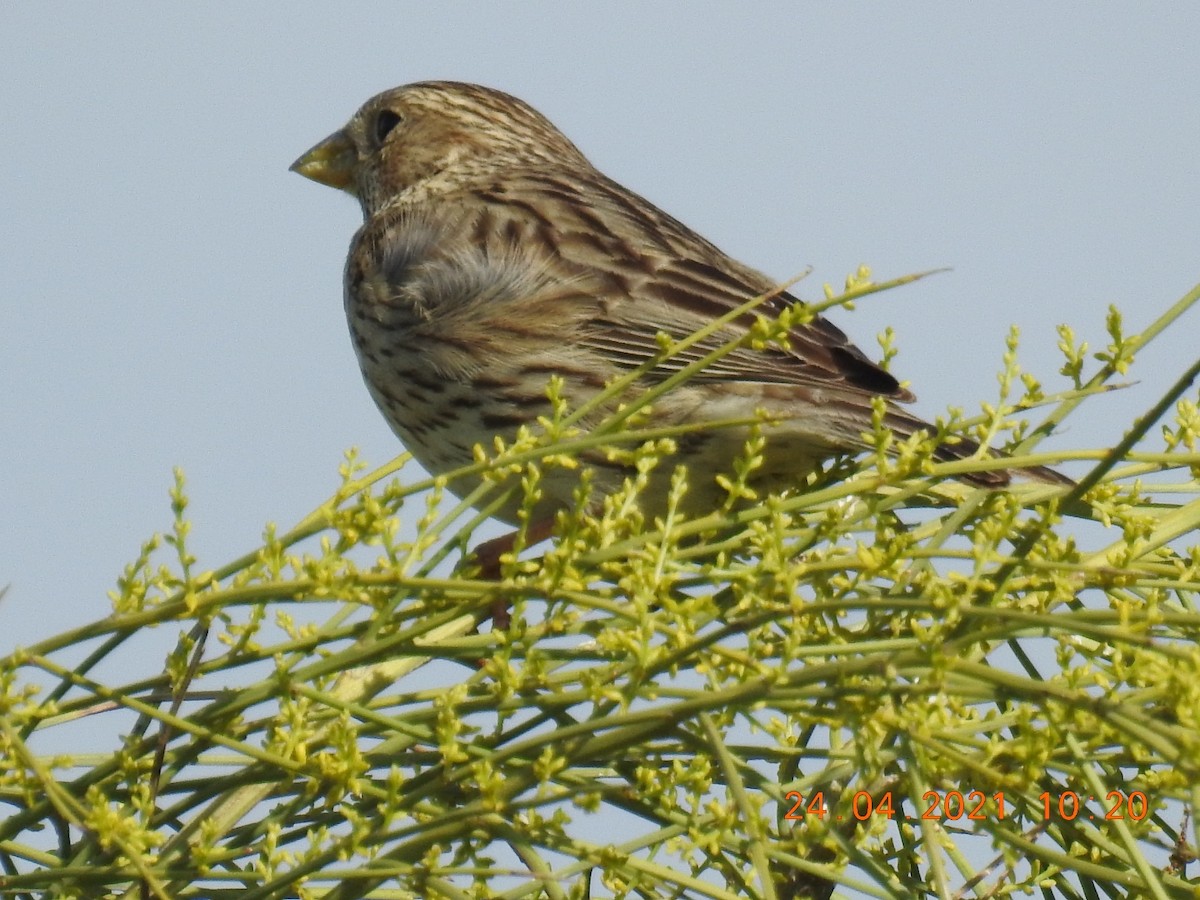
(493, 255)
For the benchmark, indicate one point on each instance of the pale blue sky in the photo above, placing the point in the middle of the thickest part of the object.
(171, 293)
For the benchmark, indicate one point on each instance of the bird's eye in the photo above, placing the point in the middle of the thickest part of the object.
(385, 122)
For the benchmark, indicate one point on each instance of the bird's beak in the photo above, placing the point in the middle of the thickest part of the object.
(331, 162)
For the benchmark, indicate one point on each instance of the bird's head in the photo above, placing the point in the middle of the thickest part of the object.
(433, 136)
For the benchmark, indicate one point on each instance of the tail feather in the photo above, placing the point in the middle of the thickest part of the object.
(905, 425)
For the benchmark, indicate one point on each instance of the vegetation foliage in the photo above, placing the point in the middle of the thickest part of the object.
(885, 684)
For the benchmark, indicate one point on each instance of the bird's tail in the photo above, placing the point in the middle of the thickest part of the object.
(905, 425)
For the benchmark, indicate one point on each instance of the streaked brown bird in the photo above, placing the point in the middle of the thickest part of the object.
(493, 255)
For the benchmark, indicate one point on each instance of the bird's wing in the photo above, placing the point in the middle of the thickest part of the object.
(656, 275)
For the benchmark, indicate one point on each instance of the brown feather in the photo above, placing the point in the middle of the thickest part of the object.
(493, 255)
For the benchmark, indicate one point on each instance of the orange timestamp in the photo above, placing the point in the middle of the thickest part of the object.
(951, 806)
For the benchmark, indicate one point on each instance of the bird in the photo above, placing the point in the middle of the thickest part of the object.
(494, 256)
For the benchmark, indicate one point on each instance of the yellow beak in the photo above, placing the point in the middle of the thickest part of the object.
(331, 162)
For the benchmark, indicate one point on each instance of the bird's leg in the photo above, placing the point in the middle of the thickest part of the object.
(488, 554)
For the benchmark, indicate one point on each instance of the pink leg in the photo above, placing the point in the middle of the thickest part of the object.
(488, 556)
